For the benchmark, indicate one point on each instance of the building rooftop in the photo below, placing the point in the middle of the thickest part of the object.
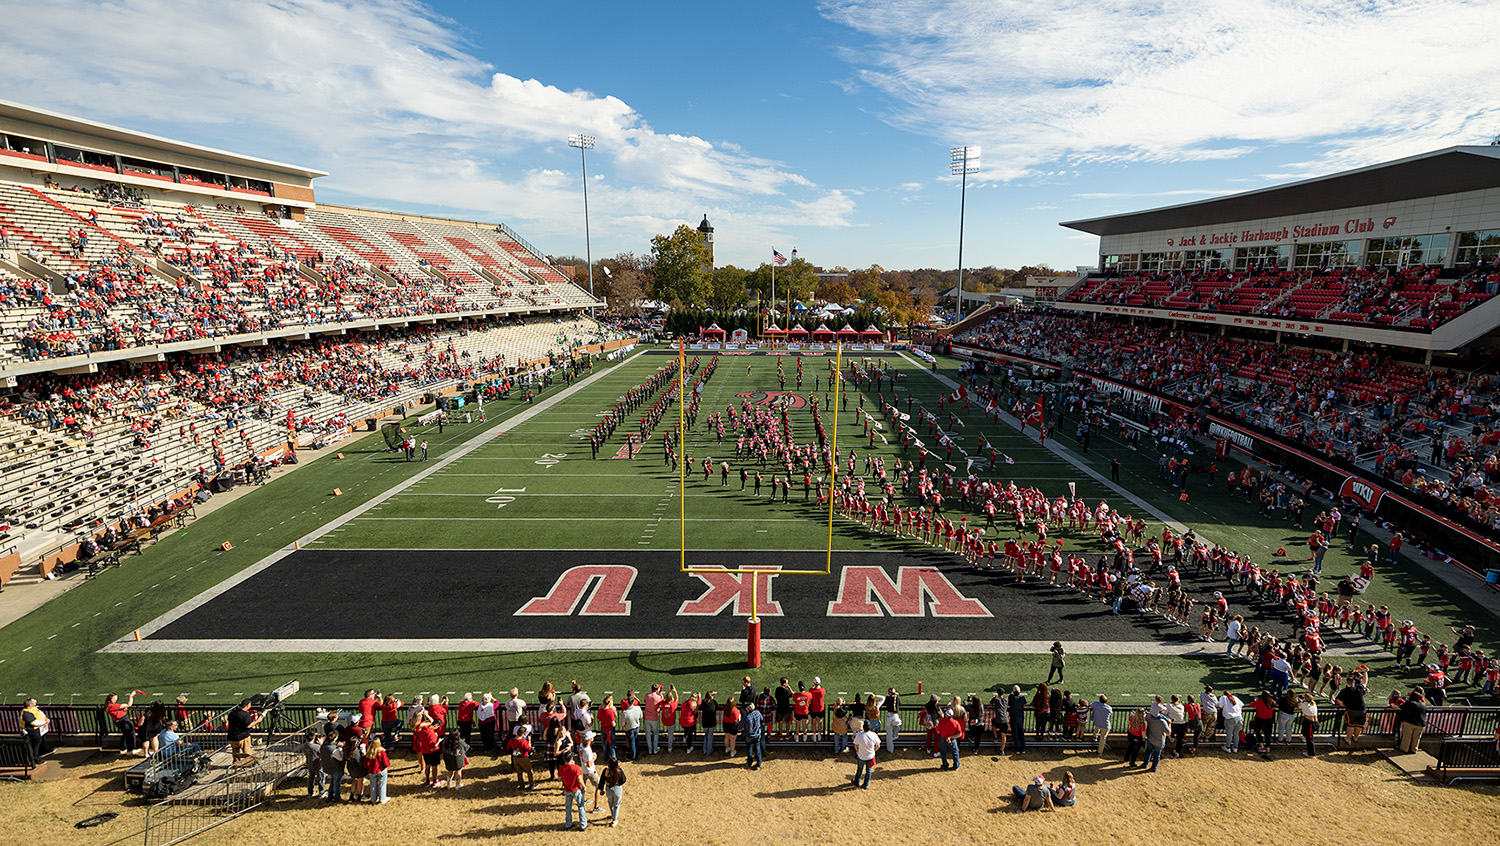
(1449, 171)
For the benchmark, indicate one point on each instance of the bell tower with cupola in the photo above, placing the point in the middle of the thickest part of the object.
(706, 233)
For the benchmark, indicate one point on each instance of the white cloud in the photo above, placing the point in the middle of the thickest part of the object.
(391, 99)
(1077, 81)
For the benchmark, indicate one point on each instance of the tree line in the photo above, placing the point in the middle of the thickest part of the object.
(676, 272)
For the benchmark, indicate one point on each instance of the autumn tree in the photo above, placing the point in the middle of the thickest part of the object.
(727, 288)
(678, 266)
(837, 291)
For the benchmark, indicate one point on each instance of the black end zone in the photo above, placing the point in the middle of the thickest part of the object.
(630, 594)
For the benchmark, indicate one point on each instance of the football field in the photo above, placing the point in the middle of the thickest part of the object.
(513, 555)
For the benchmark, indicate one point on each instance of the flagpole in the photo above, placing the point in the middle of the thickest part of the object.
(833, 471)
(681, 452)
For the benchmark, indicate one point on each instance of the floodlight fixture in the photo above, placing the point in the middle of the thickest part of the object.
(962, 161)
(584, 143)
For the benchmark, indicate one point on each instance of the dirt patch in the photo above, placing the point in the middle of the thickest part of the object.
(685, 798)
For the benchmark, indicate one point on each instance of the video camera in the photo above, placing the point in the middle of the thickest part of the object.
(271, 704)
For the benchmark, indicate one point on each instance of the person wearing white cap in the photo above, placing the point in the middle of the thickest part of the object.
(586, 761)
(817, 709)
(1034, 796)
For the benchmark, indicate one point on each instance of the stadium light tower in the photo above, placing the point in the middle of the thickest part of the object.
(962, 161)
(585, 143)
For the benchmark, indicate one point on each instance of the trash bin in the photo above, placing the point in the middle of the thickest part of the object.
(370, 423)
(1492, 577)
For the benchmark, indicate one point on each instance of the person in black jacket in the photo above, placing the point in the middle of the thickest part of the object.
(1016, 706)
(1412, 720)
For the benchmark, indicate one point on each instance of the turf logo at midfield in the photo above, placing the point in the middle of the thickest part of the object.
(771, 397)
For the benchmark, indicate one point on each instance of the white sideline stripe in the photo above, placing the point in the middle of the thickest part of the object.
(604, 519)
(214, 592)
(528, 494)
(523, 549)
(332, 644)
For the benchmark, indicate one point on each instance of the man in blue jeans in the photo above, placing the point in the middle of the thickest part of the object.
(752, 726)
(866, 743)
(950, 730)
(1158, 728)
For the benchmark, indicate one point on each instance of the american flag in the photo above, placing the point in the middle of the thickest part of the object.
(777, 257)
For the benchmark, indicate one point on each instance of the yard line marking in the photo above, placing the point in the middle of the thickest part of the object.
(316, 534)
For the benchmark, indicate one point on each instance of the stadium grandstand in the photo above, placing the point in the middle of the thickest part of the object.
(173, 314)
(1343, 326)
(1404, 254)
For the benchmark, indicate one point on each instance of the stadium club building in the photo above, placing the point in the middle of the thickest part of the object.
(1436, 209)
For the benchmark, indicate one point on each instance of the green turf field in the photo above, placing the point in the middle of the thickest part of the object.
(533, 485)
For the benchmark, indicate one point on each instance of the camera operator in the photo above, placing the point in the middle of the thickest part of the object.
(241, 721)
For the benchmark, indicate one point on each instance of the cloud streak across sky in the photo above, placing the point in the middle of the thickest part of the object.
(1074, 82)
(389, 97)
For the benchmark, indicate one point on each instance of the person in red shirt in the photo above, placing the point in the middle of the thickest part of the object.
(466, 709)
(668, 711)
(816, 708)
(687, 717)
(437, 709)
(519, 747)
(572, 785)
(120, 716)
(801, 706)
(425, 743)
(607, 717)
(367, 708)
(390, 720)
(949, 729)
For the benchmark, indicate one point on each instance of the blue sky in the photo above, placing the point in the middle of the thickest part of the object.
(820, 126)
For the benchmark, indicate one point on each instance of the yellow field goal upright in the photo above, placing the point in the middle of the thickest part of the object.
(753, 624)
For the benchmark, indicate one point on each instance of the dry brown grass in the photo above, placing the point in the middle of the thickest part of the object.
(687, 799)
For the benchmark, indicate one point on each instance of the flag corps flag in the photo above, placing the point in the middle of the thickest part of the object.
(1035, 417)
(959, 394)
(1009, 460)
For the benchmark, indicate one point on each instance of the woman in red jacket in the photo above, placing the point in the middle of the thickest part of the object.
(425, 743)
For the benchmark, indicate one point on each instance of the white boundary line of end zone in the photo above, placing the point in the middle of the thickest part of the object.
(128, 642)
(629, 644)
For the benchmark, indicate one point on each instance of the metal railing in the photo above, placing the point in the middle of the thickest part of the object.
(80, 722)
(227, 793)
(1480, 757)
